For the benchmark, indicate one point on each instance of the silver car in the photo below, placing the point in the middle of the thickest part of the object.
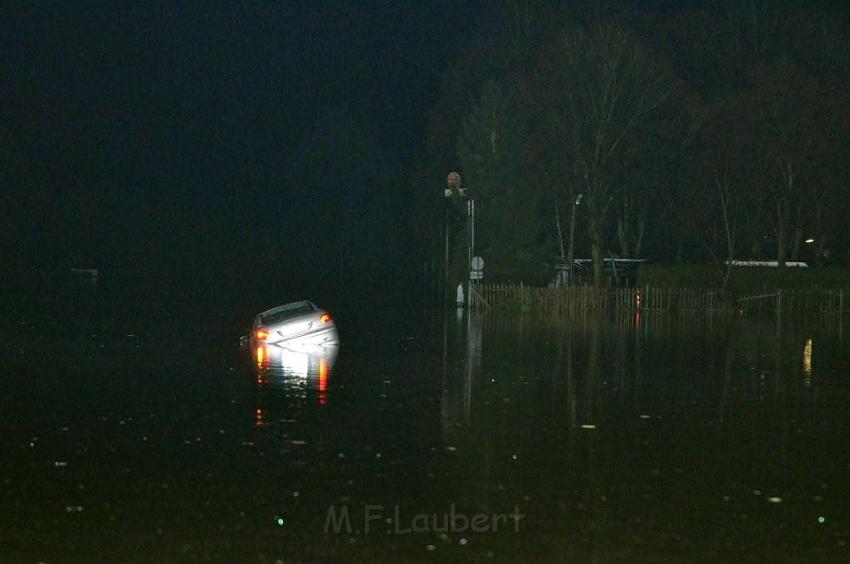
(297, 322)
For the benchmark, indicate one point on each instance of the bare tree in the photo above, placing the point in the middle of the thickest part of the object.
(791, 136)
(603, 87)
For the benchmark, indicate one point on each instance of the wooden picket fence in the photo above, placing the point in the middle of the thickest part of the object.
(578, 299)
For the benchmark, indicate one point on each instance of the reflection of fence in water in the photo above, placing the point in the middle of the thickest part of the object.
(647, 299)
(495, 320)
(582, 384)
(586, 298)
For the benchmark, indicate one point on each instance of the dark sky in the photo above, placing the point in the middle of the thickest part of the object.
(191, 93)
(121, 124)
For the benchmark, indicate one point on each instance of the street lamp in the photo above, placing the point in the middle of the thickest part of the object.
(454, 189)
(572, 236)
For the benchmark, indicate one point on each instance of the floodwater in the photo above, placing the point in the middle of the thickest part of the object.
(495, 437)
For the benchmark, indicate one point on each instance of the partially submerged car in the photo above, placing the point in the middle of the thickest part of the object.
(293, 324)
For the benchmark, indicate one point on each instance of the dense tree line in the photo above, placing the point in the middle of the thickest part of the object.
(692, 134)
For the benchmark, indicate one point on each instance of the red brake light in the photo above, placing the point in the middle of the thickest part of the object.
(325, 317)
(262, 334)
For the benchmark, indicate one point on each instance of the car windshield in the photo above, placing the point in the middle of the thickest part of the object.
(287, 311)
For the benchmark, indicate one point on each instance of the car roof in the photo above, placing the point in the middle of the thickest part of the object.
(290, 305)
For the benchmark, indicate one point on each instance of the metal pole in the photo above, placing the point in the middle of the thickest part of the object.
(469, 232)
(473, 228)
(469, 224)
(572, 236)
(446, 266)
(570, 256)
(471, 248)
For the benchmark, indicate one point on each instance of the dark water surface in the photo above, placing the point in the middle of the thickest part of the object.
(662, 439)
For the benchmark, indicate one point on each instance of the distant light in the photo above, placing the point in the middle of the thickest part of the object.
(280, 522)
(807, 359)
(821, 519)
(810, 240)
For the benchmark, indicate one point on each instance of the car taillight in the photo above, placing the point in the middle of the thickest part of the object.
(326, 317)
(262, 334)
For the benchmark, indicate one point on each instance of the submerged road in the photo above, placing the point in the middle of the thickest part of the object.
(500, 437)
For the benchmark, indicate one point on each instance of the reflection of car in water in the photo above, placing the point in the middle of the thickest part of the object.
(295, 368)
(300, 322)
(295, 360)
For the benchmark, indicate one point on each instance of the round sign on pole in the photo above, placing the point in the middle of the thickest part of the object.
(477, 263)
(453, 180)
